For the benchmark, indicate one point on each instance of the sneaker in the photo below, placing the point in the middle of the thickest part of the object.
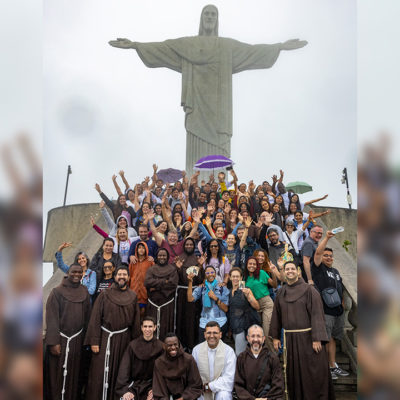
(339, 371)
(333, 375)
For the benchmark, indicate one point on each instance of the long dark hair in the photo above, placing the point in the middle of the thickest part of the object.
(256, 273)
(81, 253)
(118, 208)
(220, 251)
(295, 202)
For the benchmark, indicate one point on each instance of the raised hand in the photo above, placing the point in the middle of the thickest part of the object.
(114, 177)
(102, 204)
(121, 173)
(203, 182)
(274, 178)
(92, 220)
(201, 260)
(183, 173)
(190, 277)
(155, 167)
(178, 262)
(122, 43)
(240, 218)
(293, 44)
(64, 246)
(248, 222)
(268, 219)
(227, 208)
(147, 179)
(208, 221)
(196, 216)
(97, 187)
(150, 214)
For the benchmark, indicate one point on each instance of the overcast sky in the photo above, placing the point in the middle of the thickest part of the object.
(104, 110)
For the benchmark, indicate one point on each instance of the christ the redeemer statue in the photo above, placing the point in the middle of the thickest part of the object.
(207, 63)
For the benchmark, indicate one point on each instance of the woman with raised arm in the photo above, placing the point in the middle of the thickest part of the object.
(118, 208)
(88, 277)
(122, 222)
(122, 243)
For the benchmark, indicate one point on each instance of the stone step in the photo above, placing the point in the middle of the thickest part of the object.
(346, 383)
(346, 395)
(343, 360)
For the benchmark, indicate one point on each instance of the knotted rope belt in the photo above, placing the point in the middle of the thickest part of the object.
(285, 331)
(107, 358)
(159, 313)
(65, 371)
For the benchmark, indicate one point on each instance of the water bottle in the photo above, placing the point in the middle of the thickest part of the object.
(337, 230)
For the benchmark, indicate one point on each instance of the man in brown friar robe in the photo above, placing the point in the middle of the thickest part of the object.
(135, 374)
(298, 310)
(258, 370)
(161, 282)
(67, 315)
(187, 315)
(114, 322)
(176, 373)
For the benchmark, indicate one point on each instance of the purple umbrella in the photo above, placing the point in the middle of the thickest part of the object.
(169, 175)
(209, 163)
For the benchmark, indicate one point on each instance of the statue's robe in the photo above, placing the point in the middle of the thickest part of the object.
(207, 64)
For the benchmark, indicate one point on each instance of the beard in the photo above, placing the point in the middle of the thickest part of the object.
(256, 346)
(122, 283)
(189, 252)
(162, 262)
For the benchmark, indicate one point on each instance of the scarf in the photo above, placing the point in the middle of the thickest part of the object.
(209, 286)
(204, 367)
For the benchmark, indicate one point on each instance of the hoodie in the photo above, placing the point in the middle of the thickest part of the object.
(137, 274)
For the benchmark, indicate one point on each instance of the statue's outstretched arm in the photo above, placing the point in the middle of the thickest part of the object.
(122, 43)
(293, 44)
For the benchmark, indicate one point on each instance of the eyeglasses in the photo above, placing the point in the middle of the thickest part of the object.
(210, 273)
(327, 255)
(318, 233)
(107, 267)
(212, 246)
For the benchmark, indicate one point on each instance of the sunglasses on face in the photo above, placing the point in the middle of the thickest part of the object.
(210, 273)
(213, 246)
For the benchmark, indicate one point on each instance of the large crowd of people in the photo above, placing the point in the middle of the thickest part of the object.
(196, 291)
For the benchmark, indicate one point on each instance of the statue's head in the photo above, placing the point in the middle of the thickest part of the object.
(209, 21)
